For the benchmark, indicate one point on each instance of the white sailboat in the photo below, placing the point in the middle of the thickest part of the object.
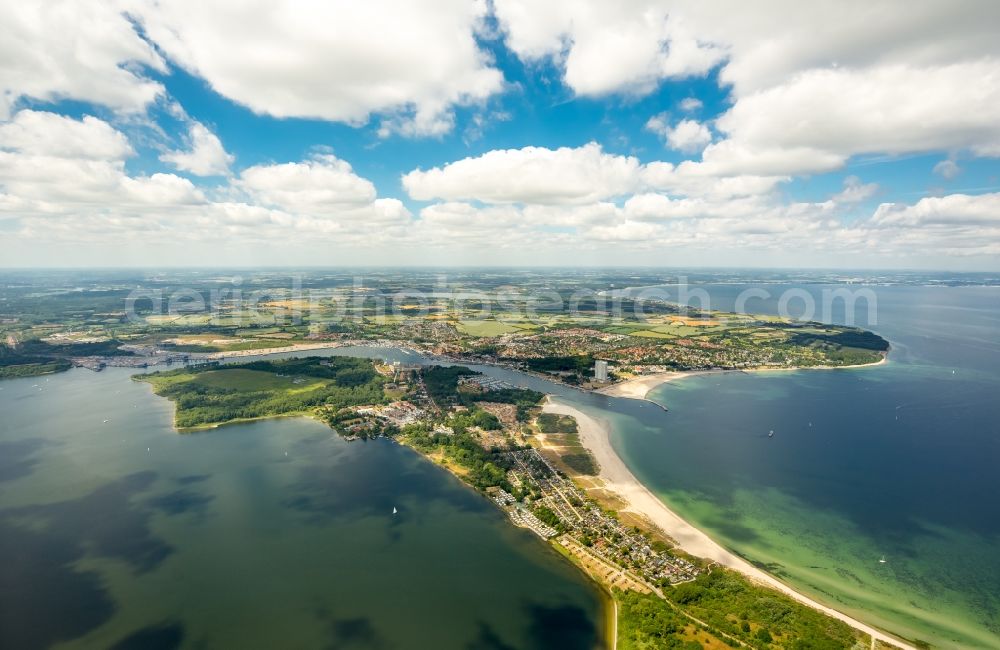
(882, 560)
(394, 510)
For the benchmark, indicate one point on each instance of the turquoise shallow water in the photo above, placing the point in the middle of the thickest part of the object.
(275, 534)
(897, 461)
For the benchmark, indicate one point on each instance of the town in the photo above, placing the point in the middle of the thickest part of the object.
(533, 492)
(471, 319)
(597, 538)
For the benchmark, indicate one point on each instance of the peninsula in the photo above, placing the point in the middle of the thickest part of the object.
(552, 470)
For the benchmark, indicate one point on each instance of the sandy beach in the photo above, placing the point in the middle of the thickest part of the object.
(596, 436)
(639, 387)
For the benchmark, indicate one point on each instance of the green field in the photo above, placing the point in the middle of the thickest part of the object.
(213, 395)
(487, 328)
(561, 431)
(554, 423)
(255, 380)
(653, 334)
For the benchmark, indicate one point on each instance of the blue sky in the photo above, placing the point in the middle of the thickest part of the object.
(532, 112)
(659, 133)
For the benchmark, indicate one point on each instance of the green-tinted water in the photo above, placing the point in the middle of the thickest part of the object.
(897, 461)
(275, 534)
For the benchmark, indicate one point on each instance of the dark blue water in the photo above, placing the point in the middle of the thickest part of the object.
(898, 461)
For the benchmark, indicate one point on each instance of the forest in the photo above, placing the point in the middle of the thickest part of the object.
(762, 617)
(859, 339)
(35, 357)
(442, 386)
(215, 394)
(646, 622)
(484, 469)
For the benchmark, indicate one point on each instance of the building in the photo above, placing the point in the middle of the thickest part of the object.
(403, 372)
(600, 370)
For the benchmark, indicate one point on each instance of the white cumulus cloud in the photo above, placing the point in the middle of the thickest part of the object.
(57, 165)
(322, 186)
(529, 175)
(822, 117)
(877, 79)
(855, 191)
(686, 135)
(42, 133)
(947, 168)
(951, 210)
(339, 61)
(73, 49)
(692, 179)
(205, 155)
(65, 180)
(690, 104)
(607, 47)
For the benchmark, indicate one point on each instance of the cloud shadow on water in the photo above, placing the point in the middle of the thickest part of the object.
(179, 502)
(165, 636)
(44, 597)
(355, 634)
(106, 521)
(18, 458)
(488, 639)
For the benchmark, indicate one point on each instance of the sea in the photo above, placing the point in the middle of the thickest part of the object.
(877, 493)
(875, 490)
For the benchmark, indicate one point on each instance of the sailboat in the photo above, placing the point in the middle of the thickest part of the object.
(394, 510)
(882, 561)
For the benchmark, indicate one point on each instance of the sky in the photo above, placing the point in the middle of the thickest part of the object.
(453, 132)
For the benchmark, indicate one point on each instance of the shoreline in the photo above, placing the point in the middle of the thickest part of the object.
(639, 387)
(595, 435)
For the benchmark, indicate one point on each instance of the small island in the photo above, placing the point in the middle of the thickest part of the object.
(532, 465)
